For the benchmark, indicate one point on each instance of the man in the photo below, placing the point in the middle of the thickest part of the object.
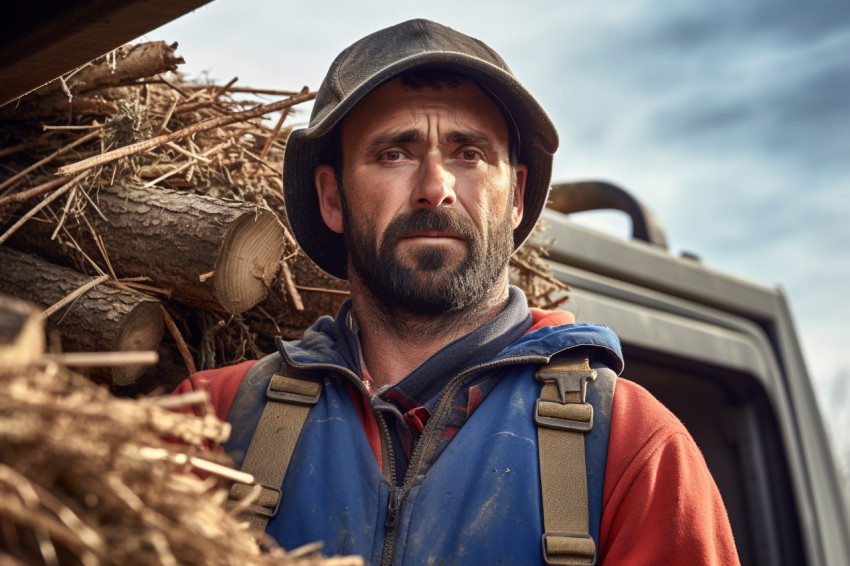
(425, 165)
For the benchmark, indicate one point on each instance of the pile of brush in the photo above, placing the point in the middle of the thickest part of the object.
(86, 477)
(145, 212)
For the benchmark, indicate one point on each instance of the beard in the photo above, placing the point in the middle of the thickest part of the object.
(427, 285)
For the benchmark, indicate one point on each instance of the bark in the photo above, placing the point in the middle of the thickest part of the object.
(209, 253)
(104, 318)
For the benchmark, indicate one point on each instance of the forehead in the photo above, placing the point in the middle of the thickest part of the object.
(394, 106)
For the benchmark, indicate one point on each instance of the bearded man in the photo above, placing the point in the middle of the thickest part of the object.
(423, 424)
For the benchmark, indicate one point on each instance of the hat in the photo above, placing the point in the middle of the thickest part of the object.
(369, 63)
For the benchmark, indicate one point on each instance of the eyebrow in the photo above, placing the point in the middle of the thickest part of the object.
(392, 138)
(416, 136)
(471, 137)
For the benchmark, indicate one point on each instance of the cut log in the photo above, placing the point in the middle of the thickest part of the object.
(103, 318)
(121, 66)
(210, 253)
(21, 332)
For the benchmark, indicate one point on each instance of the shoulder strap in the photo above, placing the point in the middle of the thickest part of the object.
(289, 397)
(564, 417)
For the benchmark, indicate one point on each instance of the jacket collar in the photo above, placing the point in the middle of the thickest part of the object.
(330, 342)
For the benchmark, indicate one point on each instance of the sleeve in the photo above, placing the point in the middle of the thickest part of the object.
(221, 384)
(660, 503)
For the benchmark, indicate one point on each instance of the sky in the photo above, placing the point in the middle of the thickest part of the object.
(729, 119)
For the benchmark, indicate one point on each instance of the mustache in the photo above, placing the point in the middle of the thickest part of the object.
(431, 220)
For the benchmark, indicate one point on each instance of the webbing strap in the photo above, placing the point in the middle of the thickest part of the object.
(288, 401)
(563, 417)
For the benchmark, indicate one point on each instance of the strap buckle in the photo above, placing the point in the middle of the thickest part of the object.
(293, 390)
(267, 503)
(576, 417)
(568, 549)
(568, 381)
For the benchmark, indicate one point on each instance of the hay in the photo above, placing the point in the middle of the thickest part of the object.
(86, 478)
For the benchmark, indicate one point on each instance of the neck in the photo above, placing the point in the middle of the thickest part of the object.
(395, 342)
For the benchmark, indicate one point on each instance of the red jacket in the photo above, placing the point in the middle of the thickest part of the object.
(660, 503)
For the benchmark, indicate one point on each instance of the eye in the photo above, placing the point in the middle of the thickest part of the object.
(470, 154)
(391, 155)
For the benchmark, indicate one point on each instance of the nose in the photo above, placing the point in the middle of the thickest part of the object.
(436, 186)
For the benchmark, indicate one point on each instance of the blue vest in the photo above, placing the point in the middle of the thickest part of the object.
(479, 502)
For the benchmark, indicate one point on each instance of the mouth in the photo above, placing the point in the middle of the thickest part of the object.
(433, 235)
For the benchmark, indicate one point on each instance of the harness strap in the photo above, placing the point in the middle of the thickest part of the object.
(563, 418)
(289, 398)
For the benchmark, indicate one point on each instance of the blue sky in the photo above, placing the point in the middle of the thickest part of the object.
(730, 119)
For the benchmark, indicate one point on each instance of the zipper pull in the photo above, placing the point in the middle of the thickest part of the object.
(392, 509)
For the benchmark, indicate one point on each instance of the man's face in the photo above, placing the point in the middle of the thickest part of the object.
(428, 199)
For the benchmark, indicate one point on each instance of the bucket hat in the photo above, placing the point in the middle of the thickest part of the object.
(369, 63)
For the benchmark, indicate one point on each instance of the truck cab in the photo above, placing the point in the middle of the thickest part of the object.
(722, 354)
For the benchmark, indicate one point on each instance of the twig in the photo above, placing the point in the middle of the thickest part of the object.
(220, 470)
(199, 397)
(323, 290)
(186, 152)
(180, 134)
(99, 359)
(290, 239)
(55, 195)
(260, 160)
(168, 115)
(181, 343)
(270, 92)
(290, 287)
(147, 288)
(74, 295)
(49, 158)
(223, 89)
(46, 127)
(35, 191)
(277, 127)
(68, 202)
(168, 174)
(540, 273)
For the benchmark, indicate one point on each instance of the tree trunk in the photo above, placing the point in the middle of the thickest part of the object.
(102, 319)
(210, 253)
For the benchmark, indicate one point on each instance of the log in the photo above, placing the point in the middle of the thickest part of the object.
(208, 253)
(121, 66)
(103, 318)
(21, 333)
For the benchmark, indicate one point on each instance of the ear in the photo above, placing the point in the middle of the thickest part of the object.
(519, 194)
(328, 191)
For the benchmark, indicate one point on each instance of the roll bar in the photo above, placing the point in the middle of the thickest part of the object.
(568, 198)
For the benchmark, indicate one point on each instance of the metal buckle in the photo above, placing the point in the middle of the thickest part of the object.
(578, 558)
(293, 396)
(562, 423)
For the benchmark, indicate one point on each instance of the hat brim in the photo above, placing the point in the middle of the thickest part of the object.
(305, 148)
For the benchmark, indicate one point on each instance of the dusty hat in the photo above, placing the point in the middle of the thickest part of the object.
(366, 65)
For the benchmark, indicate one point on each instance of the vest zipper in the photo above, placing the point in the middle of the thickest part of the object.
(427, 444)
(394, 501)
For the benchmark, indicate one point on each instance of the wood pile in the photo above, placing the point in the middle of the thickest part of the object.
(86, 477)
(145, 211)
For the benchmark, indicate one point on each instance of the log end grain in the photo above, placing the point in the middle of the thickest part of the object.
(142, 330)
(248, 260)
(21, 332)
